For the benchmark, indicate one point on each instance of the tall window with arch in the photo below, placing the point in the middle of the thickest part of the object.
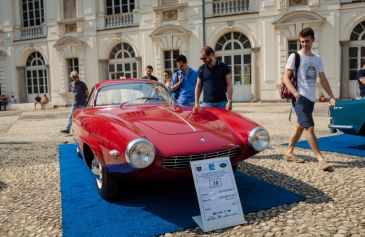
(356, 49)
(36, 75)
(234, 49)
(293, 46)
(32, 12)
(169, 59)
(122, 62)
(72, 64)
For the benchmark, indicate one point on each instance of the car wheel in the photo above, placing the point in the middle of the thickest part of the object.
(78, 152)
(106, 183)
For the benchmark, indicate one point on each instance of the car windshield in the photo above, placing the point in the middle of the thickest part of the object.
(132, 93)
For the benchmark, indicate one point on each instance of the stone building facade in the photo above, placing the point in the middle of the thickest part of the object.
(42, 41)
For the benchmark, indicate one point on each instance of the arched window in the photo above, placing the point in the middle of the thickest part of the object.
(36, 75)
(234, 49)
(122, 62)
(356, 49)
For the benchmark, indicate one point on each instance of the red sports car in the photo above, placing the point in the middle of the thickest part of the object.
(132, 128)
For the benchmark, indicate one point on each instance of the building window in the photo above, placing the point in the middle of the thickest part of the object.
(36, 74)
(234, 49)
(293, 46)
(169, 59)
(2, 82)
(69, 9)
(122, 62)
(357, 51)
(33, 12)
(119, 6)
(72, 64)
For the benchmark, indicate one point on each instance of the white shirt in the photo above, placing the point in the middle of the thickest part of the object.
(310, 67)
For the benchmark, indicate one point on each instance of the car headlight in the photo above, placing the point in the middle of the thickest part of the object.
(140, 153)
(259, 138)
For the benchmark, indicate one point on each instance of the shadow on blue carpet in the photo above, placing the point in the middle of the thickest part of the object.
(145, 210)
(344, 144)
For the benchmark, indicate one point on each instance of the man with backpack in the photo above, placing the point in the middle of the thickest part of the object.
(305, 95)
(183, 82)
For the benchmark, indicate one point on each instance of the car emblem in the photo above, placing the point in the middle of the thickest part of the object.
(198, 168)
(203, 139)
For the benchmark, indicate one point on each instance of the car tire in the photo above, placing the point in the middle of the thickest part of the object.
(106, 184)
(78, 153)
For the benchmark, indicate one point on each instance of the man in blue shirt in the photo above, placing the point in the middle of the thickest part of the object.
(183, 82)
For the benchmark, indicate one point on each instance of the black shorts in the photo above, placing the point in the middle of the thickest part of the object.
(304, 110)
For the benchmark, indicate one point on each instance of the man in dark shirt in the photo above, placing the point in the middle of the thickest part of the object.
(80, 94)
(149, 71)
(215, 79)
(361, 79)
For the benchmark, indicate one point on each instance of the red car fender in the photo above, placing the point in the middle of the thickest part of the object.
(241, 125)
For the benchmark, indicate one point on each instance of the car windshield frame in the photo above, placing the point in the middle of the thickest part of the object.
(135, 92)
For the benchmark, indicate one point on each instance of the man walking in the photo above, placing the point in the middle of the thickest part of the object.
(184, 82)
(305, 95)
(215, 79)
(80, 94)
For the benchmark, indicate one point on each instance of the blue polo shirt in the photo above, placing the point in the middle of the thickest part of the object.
(186, 91)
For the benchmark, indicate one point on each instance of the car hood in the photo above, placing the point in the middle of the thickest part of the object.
(171, 120)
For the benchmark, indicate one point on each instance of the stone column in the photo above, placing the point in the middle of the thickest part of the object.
(344, 81)
(255, 77)
(22, 85)
(103, 70)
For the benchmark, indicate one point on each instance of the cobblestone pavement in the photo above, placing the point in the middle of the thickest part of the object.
(30, 199)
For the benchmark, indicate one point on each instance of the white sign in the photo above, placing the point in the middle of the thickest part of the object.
(219, 202)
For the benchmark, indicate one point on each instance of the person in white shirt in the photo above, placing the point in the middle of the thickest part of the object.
(310, 68)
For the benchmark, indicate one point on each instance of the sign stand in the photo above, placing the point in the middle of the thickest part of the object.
(219, 202)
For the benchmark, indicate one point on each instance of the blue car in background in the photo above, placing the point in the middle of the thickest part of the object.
(348, 117)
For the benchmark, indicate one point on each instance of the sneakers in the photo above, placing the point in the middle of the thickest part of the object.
(293, 158)
(65, 131)
(323, 165)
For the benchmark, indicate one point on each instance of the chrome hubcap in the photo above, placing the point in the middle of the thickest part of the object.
(97, 170)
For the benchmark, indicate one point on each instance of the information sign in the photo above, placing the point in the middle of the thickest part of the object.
(218, 197)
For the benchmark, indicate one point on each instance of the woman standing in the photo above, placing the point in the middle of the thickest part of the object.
(167, 74)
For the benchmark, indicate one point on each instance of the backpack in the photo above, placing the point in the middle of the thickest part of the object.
(284, 92)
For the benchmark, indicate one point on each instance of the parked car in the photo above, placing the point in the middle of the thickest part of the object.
(132, 128)
(348, 117)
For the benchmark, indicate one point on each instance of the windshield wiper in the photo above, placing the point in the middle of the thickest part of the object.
(141, 98)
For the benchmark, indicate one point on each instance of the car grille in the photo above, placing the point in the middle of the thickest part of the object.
(183, 162)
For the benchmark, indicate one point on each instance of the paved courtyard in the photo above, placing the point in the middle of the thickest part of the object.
(30, 199)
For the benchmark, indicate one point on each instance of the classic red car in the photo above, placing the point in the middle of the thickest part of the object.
(133, 128)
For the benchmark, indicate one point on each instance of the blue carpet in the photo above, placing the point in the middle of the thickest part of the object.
(145, 210)
(344, 144)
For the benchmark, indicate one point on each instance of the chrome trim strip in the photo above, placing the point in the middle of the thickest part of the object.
(341, 126)
(192, 127)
